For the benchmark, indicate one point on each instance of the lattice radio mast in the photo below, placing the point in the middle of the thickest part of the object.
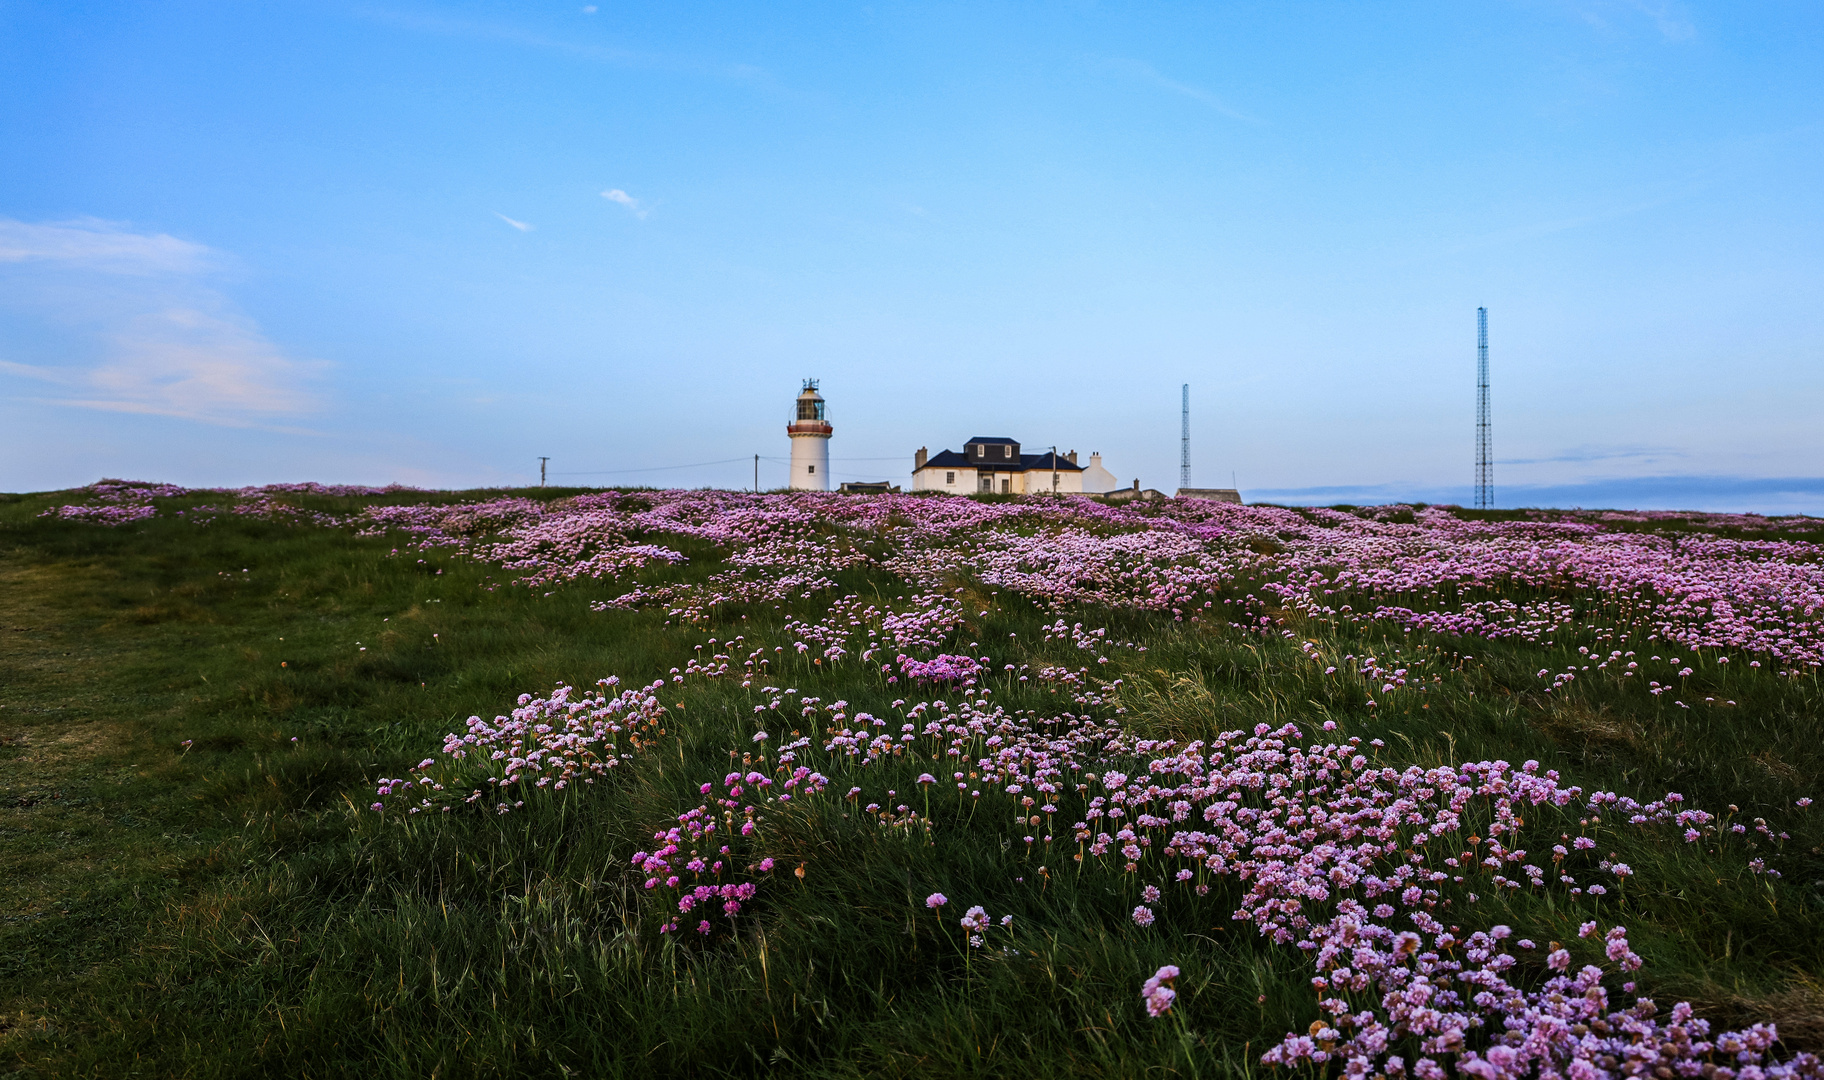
(1184, 441)
(1485, 464)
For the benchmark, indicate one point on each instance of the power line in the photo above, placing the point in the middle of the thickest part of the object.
(654, 468)
(895, 457)
(694, 465)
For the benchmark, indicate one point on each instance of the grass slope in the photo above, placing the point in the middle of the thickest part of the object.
(230, 908)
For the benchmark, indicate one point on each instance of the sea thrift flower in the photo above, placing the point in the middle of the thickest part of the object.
(1158, 993)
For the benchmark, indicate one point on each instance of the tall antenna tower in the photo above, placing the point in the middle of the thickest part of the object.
(1485, 464)
(1184, 442)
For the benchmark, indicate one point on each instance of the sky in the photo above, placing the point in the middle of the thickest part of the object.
(428, 243)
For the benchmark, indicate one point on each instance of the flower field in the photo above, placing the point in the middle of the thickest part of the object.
(902, 785)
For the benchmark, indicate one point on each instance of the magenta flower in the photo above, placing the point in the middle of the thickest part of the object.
(1158, 993)
(936, 900)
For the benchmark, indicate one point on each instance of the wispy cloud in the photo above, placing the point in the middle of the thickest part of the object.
(616, 195)
(1670, 19)
(128, 321)
(1619, 205)
(1585, 454)
(1145, 72)
(749, 74)
(520, 225)
(93, 244)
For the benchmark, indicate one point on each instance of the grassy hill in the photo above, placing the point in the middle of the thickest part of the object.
(205, 692)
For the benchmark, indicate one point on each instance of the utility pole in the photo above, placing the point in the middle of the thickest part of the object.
(541, 470)
(1054, 470)
(756, 474)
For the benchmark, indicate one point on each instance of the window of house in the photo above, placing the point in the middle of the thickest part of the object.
(949, 478)
(988, 484)
(1006, 451)
(1006, 486)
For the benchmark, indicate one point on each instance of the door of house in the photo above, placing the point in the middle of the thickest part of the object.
(987, 484)
(1006, 485)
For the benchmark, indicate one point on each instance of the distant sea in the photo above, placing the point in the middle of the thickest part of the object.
(1721, 494)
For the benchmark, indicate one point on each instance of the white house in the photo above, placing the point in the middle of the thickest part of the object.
(1096, 479)
(994, 465)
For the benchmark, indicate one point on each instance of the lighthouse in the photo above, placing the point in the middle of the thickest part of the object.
(810, 434)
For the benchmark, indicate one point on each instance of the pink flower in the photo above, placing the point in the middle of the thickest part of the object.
(1143, 916)
(936, 900)
(1158, 993)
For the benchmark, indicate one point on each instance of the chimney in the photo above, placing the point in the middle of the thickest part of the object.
(1072, 457)
(918, 459)
(1136, 483)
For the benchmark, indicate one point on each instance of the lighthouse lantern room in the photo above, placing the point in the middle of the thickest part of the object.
(810, 434)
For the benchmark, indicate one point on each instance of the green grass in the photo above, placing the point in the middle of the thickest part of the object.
(231, 909)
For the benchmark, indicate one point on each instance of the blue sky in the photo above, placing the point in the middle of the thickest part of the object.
(428, 243)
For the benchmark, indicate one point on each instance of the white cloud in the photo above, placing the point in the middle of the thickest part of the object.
(616, 195)
(126, 321)
(520, 225)
(93, 244)
(1671, 20)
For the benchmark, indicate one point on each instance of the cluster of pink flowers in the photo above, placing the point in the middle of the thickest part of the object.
(1337, 848)
(1420, 569)
(735, 816)
(549, 742)
(942, 668)
(1425, 569)
(976, 923)
(116, 502)
(1365, 865)
(1428, 1003)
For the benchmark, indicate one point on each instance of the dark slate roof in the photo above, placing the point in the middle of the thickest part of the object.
(950, 459)
(947, 459)
(1046, 463)
(992, 440)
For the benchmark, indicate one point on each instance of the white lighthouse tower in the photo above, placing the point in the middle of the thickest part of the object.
(810, 434)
